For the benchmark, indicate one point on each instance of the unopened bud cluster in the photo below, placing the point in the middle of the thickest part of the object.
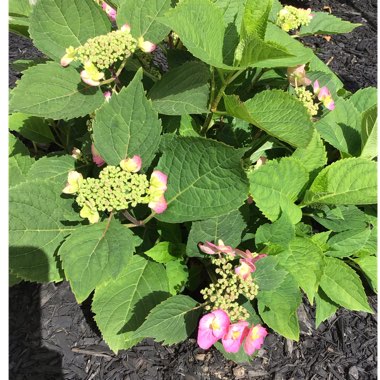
(228, 288)
(307, 99)
(290, 17)
(115, 189)
(105, 50)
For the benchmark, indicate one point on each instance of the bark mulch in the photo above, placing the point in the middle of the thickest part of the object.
(51, 337)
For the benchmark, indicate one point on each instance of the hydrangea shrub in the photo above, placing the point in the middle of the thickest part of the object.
(191, 167)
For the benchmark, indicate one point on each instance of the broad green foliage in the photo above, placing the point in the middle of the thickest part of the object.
(205, 179)
(170, 322)
(142, 16)
(276, 186)
(343, 285)
(122, 304)
(338, 183)
(277, 113)
(50, 91)
(127, 125)
(229, 227)
(94, 254)
(182, 91)
(37, 223)
(324, 23)
(241, 200)
(55, 26)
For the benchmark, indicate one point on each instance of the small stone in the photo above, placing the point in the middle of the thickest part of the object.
(200, 357)
(239, 372)
(353, 372)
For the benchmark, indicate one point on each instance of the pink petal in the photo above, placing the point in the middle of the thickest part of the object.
(159, 205)
(125, 28)
(96, 158)
(65, 61)
(255, 339)
(323, 93)
(132, 165)
(245, 269)
(212, 327)
(316, 87)
(330, 105)
(235, 335)
(159, 180)
(107, 95)
(206, 338)
(87, 79)
(147, 47)
(206, 249)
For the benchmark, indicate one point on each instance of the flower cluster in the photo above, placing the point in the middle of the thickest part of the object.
(297, 78)
(233, 280)
(216, 325)
(290, 17)
(117, 188)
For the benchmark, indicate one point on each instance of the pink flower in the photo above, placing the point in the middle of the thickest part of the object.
(158, 205)
(245, 269)
(234, 336)
(107, 95)
(145, 46)
(212, 327)
(111, 13)
(297, 76)
(254, 339)
(324, 96)
(159, 180)
(212, 249)
(96, 158)
(132, 165)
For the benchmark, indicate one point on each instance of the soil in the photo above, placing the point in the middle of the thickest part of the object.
(51, 337)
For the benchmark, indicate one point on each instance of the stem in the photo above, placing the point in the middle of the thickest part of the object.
(148, 218)
(108, 224)
(118, 72)
(215, 102)
(255, 79)
(132, 219)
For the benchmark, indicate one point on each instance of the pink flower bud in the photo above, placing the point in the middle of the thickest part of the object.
(158, 205)
(111, 13)
(68, 57)
(145, 46)
(96, 158)
(234, 336)
(126, 28)
(212, 327)
(297, 76)
(132, 165)
(107, 95)
(255, 339)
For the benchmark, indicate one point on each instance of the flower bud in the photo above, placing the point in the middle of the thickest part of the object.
(145, 46)
(132, 165)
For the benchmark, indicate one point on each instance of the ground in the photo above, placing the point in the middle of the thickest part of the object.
(53, 338)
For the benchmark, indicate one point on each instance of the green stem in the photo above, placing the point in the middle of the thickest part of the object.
(147, 219)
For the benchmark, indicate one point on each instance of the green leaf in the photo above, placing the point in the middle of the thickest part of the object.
(142, 15)
(317, 65)
(327, 79)
(165, 251)
(277, 113)
(54, 168)
(238, 357)
(178, 274)
(183, 90)
(51, 91)
(324, 23)
(255, 18)
(339, 183)
(341, 128)
(342, 218)
(364, 99)
(122, 304)
(172, 321)
(127, 125)
(368, 264)
(188, 126)
(228, 227)
(200, 26)
(13, 280)
(343, 285)
(369, 133)
(19, 162)
(325, 308)
(278, 308)
(20, 7)
(275, 186)
(19, 25)
(21, 65)
(304, 260)
(55, 26)
(347, 243)
(38, 216)
(205, 179)
(321, 239)
(94, 254)
(268, 274)
(314, 155)
(280, 232)
(33, 128)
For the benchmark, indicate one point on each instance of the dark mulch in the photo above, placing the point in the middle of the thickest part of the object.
(53, 338)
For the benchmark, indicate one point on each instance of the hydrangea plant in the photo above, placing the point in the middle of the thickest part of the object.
(191, 167)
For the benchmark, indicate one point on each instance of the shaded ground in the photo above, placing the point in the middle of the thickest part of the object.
(53, 338)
